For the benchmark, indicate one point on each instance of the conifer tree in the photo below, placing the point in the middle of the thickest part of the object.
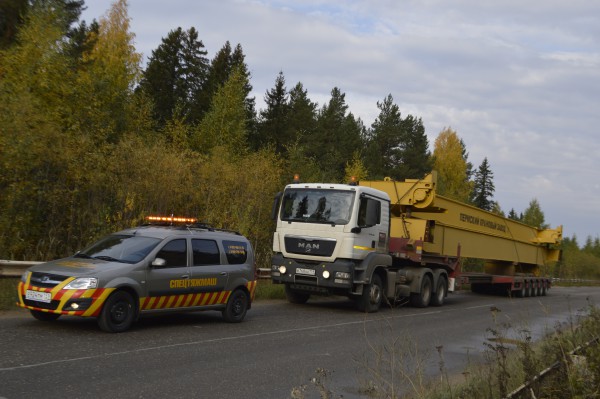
(416, 158)
(338, 135)
(483, 187)
(176, 76)
(273, 126)
(384, 148)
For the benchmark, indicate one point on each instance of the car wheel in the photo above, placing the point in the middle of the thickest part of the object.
(118, 312)
(236, 308)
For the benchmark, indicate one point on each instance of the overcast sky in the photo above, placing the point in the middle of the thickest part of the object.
(519, 81)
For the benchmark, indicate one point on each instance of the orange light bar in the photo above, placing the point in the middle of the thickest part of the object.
(296, 178)
(172, 219)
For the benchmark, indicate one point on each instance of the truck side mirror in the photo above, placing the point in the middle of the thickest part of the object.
(369, 212)
(276, 201)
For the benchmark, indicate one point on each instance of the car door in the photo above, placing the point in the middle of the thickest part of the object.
(209, 279)
(169, 277)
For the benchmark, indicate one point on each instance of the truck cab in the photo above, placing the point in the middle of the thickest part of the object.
(324, 234)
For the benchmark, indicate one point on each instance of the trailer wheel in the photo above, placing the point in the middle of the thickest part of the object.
(422, 298)
(520, 293)
(372, 296)
(294, 296)
(440, 293)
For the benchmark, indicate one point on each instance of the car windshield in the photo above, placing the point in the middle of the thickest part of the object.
(120, 248)
(317, 206)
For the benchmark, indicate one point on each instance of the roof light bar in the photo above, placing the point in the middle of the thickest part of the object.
(171, 219)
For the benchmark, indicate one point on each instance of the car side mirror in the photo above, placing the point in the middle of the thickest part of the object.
(159, 262)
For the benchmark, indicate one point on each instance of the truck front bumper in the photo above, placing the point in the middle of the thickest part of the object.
(324, 277)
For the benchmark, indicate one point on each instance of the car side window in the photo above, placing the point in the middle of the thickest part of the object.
(206, 252)
(236, 251)
(174, 253)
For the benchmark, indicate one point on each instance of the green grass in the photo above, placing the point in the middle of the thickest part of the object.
(265, 289)
(8, 293)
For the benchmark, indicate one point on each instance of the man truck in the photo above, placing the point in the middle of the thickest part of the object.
(398, 241)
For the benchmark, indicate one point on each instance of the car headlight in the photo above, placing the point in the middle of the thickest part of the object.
(82, 283)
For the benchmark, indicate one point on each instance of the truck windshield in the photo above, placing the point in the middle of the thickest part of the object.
(120, 248)
(317, 206)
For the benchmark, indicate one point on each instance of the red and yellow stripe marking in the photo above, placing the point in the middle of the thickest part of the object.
(57, 293)
(99, 295)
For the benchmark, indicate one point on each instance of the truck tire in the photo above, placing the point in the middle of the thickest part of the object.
(237, 306)
(422, 298)
(372, 296)
(438, 298)
(118, 312)
(294, 296)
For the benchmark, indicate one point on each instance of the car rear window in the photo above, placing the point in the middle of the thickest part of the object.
(236, 251)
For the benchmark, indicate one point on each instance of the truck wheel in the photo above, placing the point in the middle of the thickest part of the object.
(236, 308)
(295, 296)
(421, 299)
(527, 289)
(440, 293)
(372, 296)
(44, 316)
(118, 312)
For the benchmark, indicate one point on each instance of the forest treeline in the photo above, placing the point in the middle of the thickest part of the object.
(93, 139)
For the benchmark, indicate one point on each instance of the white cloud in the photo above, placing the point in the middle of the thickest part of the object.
(519, 81)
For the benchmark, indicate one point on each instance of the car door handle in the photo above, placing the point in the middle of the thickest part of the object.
(223, 273)
(185, 276)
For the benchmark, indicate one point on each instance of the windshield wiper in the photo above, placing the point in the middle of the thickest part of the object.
(81, 255)
(107, 258)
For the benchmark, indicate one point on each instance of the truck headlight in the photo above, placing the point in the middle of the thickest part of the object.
(325, 274)
(282, 269)
(343, 275)
(82, 283)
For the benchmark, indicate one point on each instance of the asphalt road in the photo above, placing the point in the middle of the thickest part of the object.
(279, 347)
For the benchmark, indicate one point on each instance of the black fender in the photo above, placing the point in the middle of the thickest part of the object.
(365, 269)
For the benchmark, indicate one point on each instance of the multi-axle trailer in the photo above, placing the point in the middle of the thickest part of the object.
(386, 241)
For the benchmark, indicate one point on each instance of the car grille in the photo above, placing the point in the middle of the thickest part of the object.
(46, 280)
(41, 305)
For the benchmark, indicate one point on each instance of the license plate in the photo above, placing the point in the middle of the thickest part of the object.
(305, 271)
(39, 296)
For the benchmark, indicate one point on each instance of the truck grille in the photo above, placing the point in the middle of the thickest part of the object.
(297, 245)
